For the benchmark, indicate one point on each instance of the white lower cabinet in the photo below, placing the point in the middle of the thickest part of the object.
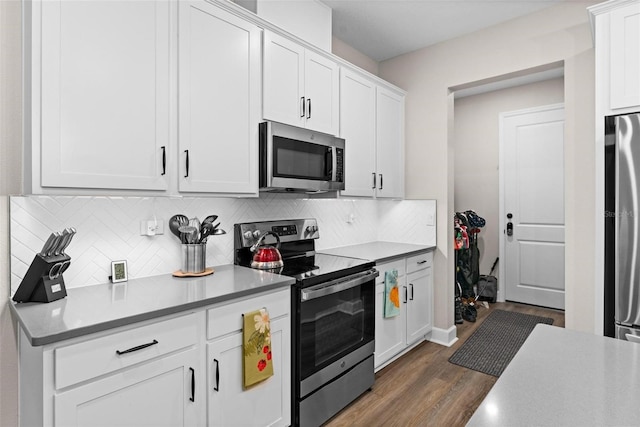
(395, 335)
(180, 371)
(267, 403)
(157, 393)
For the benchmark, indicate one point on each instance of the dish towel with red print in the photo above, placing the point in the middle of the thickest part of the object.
(256, 337)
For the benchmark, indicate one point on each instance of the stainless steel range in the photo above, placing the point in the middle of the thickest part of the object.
(332, 317)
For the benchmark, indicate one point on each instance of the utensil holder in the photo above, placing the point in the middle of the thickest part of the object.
(194, 257)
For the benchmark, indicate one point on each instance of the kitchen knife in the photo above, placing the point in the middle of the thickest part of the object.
(67, 241)
(59, 242)
(51, 250)
(62, 243)
(47, 245)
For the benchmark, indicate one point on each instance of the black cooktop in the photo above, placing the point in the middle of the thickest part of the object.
(322, 267)
(297, 247)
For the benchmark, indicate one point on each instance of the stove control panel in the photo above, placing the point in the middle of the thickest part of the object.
(285, 230)
(246, 234)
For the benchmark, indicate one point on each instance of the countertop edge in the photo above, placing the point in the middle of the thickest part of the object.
(405, 255)
(372, 250)
(37, 341)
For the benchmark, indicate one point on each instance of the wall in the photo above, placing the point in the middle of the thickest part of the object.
(477, 153)
(559, 34)
(10, 183)
(346, 52)
(108, 228)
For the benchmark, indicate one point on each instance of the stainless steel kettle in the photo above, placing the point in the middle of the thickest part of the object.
(266, 257)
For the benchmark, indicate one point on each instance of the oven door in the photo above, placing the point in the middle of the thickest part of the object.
(336, 319)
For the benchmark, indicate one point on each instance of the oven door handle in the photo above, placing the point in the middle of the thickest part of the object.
(338, 285)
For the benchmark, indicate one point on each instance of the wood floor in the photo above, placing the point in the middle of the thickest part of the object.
(423, 389)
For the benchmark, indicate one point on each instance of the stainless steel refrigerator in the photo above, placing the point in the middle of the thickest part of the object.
(622, 227)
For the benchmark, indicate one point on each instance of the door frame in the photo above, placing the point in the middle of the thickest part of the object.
(501, 211)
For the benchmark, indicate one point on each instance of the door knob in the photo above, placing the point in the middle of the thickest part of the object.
(509, 225)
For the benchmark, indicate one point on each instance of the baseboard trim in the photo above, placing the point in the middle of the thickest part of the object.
(446, 337)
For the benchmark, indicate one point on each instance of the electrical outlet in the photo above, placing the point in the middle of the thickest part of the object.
(151, 227)
(351, 218)
(430, 219)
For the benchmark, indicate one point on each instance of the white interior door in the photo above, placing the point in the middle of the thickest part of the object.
(532, 183)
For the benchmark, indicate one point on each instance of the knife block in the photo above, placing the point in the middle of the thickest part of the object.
(39, 284)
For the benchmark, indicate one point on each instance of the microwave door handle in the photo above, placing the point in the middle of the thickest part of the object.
(330, 164)
(334, 164)
(333, 287)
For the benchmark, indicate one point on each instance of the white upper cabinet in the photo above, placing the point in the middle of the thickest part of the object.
(300, 86)
(625, 56)
(219, 100)
(372, 124)
(358, 128)
(616, 26)
(389, 144)
(99, 106)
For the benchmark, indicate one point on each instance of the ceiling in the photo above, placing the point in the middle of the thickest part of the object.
(383, 29)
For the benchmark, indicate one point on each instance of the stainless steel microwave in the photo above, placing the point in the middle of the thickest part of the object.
(294, 159)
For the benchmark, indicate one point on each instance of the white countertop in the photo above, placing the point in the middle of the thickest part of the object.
(561, 377)
(90, 309)
(378, 251)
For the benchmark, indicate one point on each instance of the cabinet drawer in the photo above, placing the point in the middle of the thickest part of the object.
(225, 319)
(388, 266)
(419, 262)
(99, 356)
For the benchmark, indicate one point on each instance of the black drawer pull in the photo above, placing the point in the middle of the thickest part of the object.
(422, 262)
(186, 175)
(164, 160)
(140, 347)
(193, 385)
(217, 387)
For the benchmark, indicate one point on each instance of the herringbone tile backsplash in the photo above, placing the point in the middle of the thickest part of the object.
(109, 228)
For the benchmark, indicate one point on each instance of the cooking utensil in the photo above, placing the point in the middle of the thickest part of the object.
(210, 219)
(205, 231)
(188, 232)
(177, 221)
(266, 257)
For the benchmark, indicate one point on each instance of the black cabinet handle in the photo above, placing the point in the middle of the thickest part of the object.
(422, 262)
(302, 105)
(374, 180)
(217, 386)
(309, 108)
(164, 160)
(193, 385)
(411, 284)
(140, 347)
(381, 183)
(187, 163)
(405, 294)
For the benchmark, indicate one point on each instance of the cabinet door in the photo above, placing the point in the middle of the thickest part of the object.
(390, 331)
(419, 305)
(155, 394)
(219, 89)
(283, 81)
(358, 128)
(104, 104)
(321, 92)
(390, 144)
(625, 56)
(267, 403)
